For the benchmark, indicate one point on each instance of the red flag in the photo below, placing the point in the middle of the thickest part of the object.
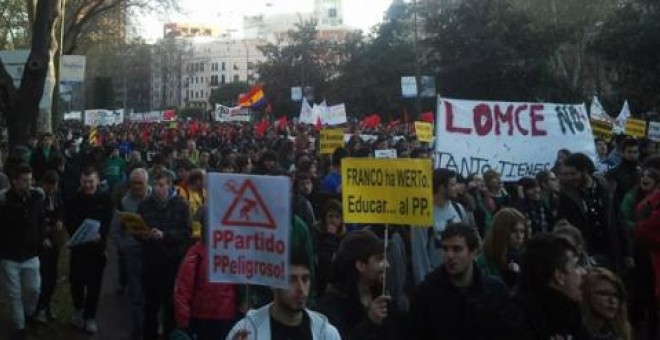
(428, 117)
(319, 125)
(261, 127)
(371, 121)
(281, 123)
(393, 123)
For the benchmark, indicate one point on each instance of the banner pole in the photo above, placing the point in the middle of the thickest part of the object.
(387, 228)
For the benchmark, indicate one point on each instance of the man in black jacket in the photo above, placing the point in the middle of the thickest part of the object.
(22, 234)
(548, 300)
(87, 260)
(457, 300)
(586, 201)
(625, 175)
(168, 217)
(355, 303)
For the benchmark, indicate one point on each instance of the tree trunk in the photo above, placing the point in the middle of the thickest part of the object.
(24, 110)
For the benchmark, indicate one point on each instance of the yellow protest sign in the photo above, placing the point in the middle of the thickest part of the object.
(424, 131)
(393, 191)
(601, 129)
(636, 128)
(133, 223)
(331, 140)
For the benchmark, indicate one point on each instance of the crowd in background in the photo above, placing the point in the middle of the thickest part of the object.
(570, 253)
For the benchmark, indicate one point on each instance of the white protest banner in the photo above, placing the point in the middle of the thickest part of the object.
(335, 115)
(654, 131)
(622, 118)
(103, 117)
(597, 112)
(318, 112)
(145, 117)
(232, 114)
(516, 139)
(73, 115)
(249, 220)
(306, 113)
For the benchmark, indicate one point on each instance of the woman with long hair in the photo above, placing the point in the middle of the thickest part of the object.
(503, 246)
(604, 306)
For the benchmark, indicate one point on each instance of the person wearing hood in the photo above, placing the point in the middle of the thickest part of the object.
(168, 217)
(286, 317)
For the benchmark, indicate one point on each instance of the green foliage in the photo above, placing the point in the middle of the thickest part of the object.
(305, 61)
(14, 25)
(227, 94)
(630, 42)
(491, 50)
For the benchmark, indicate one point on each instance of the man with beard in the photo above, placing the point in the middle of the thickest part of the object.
(586, 201)
(625, 175)
(286, 318)
(457, 300)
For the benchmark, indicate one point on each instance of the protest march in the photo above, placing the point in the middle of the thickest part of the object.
(481, 220)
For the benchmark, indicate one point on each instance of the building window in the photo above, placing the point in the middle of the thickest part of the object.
(236, 78)
(235, 66)
(332, 13)
(222, 79)
(223, 65)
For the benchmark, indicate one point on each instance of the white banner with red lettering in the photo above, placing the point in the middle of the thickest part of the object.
(516, 139)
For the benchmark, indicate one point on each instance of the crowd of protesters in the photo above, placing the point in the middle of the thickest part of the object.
(569, 254)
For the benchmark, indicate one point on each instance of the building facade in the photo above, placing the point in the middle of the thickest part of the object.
(212, 64)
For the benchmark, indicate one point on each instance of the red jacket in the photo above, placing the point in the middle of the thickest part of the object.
(647, 230)
(195, 296)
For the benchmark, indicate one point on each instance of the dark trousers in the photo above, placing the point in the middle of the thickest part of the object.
(205, 329)
(48, 259)
(158, 276)
(122, 268)
(86, 274)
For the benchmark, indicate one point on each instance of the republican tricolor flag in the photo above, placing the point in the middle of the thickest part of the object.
(254, 98)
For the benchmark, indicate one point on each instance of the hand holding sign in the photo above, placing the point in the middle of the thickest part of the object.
(134, 224)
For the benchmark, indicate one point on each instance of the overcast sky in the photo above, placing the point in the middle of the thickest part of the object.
(361, 14)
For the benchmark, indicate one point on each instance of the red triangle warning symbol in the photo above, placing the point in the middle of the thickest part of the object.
(248, 208)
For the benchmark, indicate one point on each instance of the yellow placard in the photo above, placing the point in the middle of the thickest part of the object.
(133, 223)
(636, 128)
(601, 129)
(331, 140)
(424, 131)
(392, 191)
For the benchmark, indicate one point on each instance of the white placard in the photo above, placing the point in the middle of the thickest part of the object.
(387, 153)
(249, 221)
(335, 115)
(654, 131)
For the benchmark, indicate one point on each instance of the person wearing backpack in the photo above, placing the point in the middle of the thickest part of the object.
(425, 241)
